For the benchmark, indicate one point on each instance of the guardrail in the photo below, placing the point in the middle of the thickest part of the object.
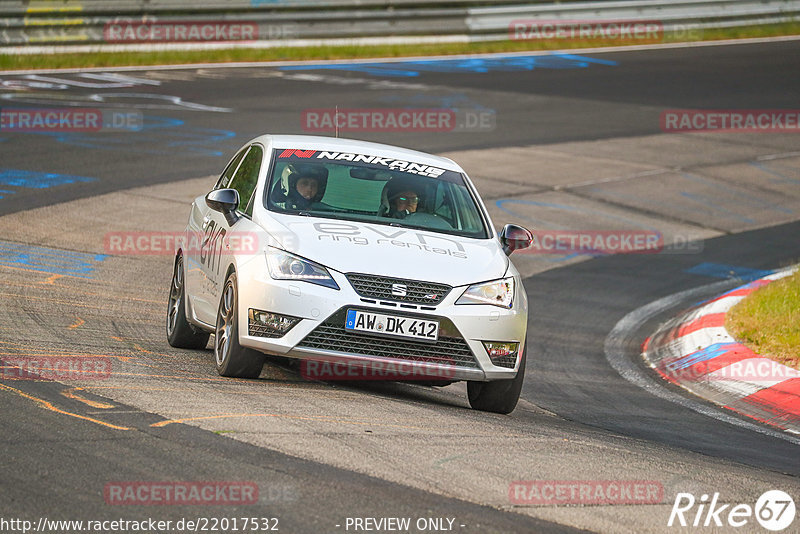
(142, 7)
(294, 22)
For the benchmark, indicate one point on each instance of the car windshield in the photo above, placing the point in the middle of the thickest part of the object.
(368, 188)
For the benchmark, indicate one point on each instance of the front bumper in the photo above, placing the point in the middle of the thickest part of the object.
(459, 353)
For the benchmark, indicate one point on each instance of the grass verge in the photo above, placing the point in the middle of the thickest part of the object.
(176, 57)
(768, 321)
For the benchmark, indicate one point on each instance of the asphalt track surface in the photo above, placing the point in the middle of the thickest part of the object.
(539, 106)
(605, 399)
(56, 466)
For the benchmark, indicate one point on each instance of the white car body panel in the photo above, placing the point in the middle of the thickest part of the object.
(349, 246)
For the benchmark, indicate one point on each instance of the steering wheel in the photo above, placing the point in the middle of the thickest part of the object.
(428, 220)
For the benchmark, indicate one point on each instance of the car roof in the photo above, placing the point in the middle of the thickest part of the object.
(337, 144)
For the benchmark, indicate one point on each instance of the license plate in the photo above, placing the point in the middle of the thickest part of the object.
(392, 325)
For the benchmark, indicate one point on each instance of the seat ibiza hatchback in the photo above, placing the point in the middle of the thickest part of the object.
(364, 261)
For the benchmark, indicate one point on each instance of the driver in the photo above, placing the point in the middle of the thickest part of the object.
(402, 197)
(403, 204)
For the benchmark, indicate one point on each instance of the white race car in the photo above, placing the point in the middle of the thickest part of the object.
(364, 261)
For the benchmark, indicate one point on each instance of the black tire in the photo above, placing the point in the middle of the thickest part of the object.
(181, 333)
(499, 396)
(232, 359)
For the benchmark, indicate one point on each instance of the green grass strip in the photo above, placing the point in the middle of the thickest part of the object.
(768, 321)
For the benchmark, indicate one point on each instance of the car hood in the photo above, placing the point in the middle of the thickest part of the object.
(347, 246)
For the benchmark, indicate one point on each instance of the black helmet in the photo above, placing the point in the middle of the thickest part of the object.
(392, 190)
(295, 171)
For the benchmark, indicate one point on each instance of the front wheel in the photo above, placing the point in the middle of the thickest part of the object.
(499, 396)
(231, 358)
(180, 333)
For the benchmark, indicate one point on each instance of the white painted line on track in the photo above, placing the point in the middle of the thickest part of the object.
(621, 334)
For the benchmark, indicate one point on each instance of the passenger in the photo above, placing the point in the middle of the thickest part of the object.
(306, 186)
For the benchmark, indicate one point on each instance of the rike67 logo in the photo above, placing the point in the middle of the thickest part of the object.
(774, 510)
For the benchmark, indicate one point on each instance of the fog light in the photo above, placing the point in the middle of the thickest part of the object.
(266, 324)
(502, 354)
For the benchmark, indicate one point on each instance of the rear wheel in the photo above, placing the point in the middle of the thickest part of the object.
(499, 396)
(180, 333)
(231, 358)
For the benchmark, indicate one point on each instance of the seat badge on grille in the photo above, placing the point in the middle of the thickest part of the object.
(399, 290)
(431, 296)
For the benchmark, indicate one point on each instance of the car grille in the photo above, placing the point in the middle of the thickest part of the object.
(380, 287)
(447, 350)
(506, 361)
(262, 331)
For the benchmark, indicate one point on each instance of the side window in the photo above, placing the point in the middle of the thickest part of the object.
(443, 203)
(246, 178)
(225, 178)
(469, 218)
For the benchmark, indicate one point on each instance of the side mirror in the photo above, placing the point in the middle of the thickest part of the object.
(514, 237)
(224, 201)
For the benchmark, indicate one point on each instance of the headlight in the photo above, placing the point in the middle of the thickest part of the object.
(498, 293)
(285, 266)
